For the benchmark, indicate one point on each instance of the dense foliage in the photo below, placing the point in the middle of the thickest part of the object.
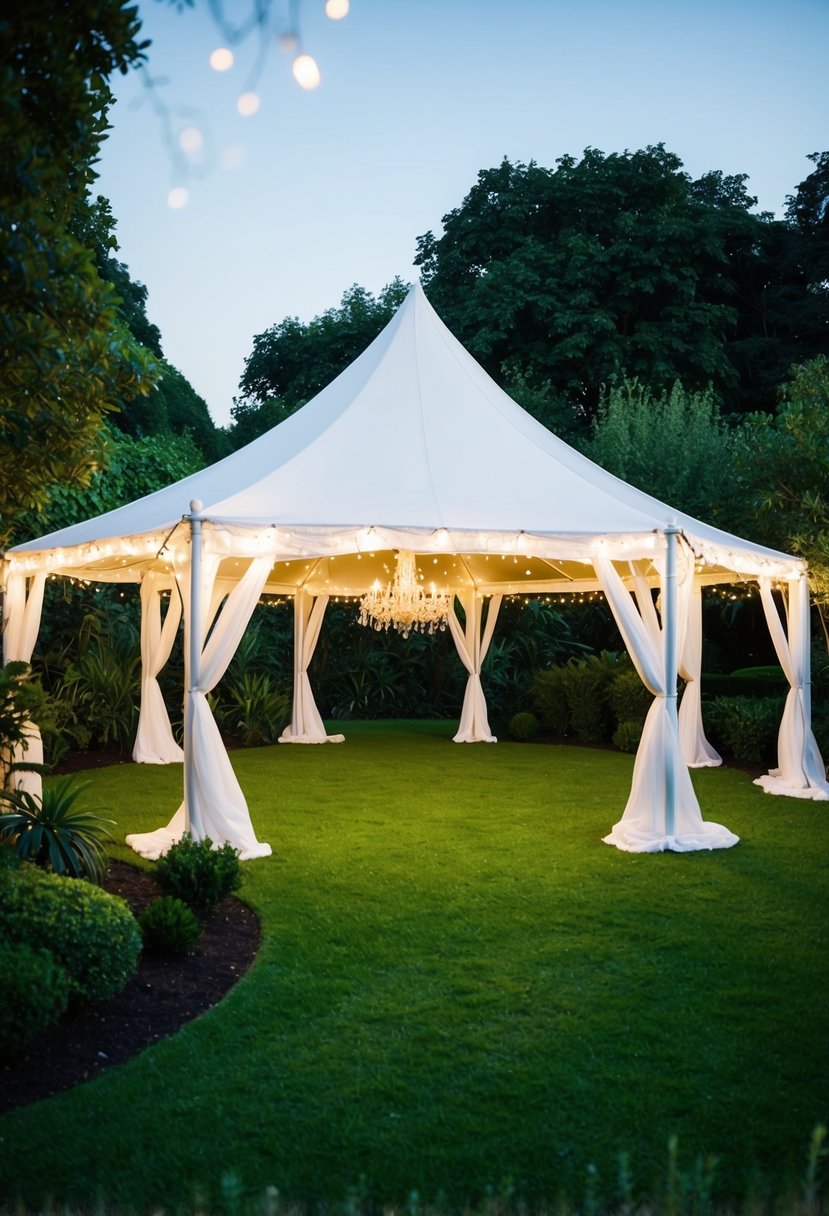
(34, 993)
(622, 265)
(92, 934)
(672, 444)
(782, 472)
(67, 358)
(169, 926)
(292, 361)
(198, 873)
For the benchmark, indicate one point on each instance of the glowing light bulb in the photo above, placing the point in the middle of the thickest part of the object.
(248, 104)
(305, 71)
(178, 197)
(221, 59)
(336, 9)
(191, 140)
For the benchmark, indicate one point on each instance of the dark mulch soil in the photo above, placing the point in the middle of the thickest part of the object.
(163, 995)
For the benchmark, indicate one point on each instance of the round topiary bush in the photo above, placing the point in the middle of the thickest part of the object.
(91, 934)
(34, 992)
(627, 736)
(168, 926)
(523, 727)
(199, 874)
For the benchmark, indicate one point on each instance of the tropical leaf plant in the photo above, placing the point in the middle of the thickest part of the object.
(104, 688)
(253, 709)
(53, 832)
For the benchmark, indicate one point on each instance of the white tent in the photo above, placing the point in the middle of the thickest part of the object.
(414, 447)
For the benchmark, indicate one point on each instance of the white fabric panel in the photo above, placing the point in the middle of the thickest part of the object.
(642, 828)
(220, 811)
(696, 749)
(472, 649)
(801, 772)
(22, 607)
(154, 742)
(306, 725)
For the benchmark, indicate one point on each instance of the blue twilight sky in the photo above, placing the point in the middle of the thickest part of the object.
(319, 190)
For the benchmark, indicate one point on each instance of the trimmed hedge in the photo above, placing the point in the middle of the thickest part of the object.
(750, 682)
(91, 934)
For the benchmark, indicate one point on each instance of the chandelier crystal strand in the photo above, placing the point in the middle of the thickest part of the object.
(403, 603)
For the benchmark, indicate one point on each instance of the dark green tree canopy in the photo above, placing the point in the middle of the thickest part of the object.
(66, 357)
(293, 361)
(612, 267)
(94, 225)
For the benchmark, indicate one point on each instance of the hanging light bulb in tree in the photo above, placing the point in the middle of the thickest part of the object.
(248, 104)
(221, 59)
(336, 9)
(305, 71)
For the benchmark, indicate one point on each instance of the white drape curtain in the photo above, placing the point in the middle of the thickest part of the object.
(643, 828)
(306, 725)
(696, 749)
(154, 742)
(472, 649)
(219, 809)
(22, 607)
(801, 772)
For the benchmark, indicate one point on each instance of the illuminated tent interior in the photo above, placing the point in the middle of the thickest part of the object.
(414, 449)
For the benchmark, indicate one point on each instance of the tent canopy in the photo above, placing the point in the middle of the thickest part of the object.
(412, 446)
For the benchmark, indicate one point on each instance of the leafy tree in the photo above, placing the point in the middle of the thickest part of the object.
(67, 359)
(293, 362)
(94, 225)
(172, 406)
(251, 419)
(671, 444)
(782, 470)
(614, 267)
(134, 468)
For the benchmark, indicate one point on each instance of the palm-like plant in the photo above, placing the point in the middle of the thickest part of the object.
(54, 833)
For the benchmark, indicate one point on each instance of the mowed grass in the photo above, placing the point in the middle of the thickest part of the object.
(461, 987)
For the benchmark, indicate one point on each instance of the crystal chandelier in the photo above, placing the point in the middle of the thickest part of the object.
(404, 603)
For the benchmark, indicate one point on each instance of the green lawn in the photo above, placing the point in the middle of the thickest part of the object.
(460, 986)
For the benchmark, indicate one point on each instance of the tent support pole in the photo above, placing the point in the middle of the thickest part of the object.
(192, 818)
(671, 533)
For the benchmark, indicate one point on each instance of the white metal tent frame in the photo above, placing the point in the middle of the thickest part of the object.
(414, 447)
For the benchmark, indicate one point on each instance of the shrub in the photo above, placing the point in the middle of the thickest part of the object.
(523, 727)
(197, 873)
(34, 992)
(549, 699)
(746, 727)
(168, 926)
(588, 685)
(92, 934)
(748, 682)
(53, 833)
(627, 736)
(629, 699)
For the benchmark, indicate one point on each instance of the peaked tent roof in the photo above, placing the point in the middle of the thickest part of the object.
(412, 440)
